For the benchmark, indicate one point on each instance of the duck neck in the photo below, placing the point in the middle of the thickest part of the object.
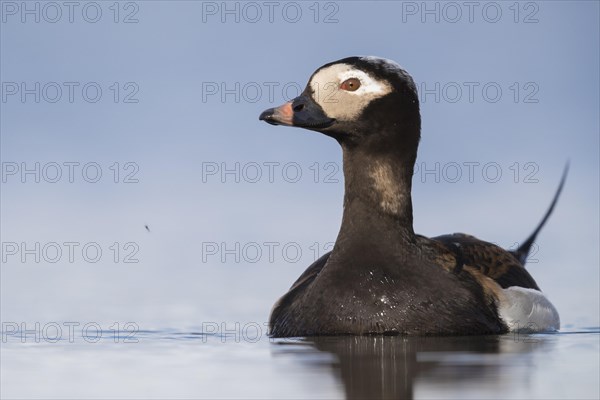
(377, 199)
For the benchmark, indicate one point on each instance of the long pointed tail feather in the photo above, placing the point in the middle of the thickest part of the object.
(523, 251)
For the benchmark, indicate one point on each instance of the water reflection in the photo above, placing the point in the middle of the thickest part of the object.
(393, 367)
(172, 363)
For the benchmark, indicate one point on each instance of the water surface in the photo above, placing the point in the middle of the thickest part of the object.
(192, 364)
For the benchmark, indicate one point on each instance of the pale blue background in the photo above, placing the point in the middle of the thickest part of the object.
(175, 131)
(171, 132)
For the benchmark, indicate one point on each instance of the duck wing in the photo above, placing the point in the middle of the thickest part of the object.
(491, 260)
(307, 277)
(506, 267)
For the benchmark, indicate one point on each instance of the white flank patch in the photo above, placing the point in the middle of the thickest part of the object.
(527, 310)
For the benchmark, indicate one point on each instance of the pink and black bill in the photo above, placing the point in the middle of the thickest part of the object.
(301, 112)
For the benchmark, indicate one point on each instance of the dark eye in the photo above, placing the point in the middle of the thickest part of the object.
(350, 84)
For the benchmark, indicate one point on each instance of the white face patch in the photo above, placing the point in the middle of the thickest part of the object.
(341, 104)
(367, 84)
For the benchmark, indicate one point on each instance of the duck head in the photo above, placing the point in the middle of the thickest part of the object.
(359, 101)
